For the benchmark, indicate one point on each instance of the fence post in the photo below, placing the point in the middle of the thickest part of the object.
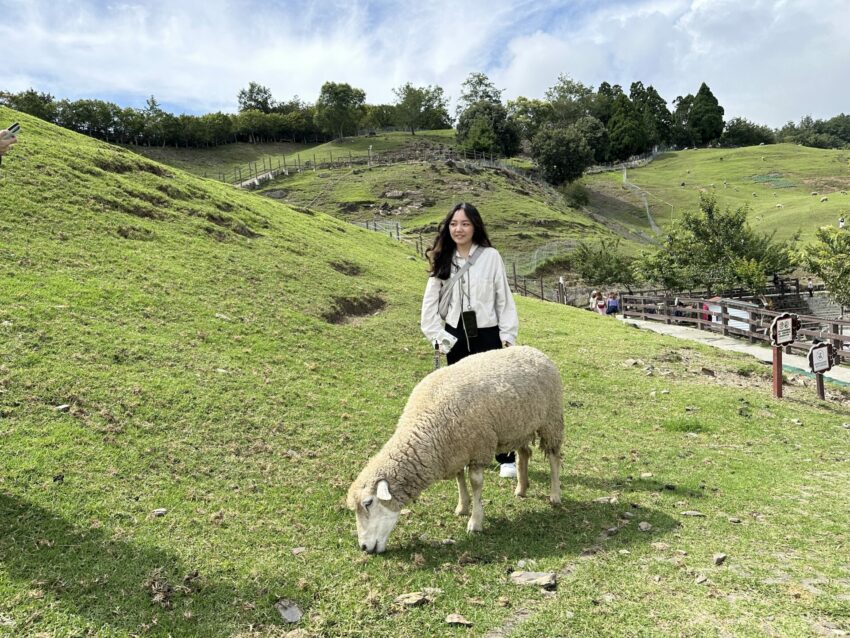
(667, 319)
(398, 231)
(314, 162)
(542, 295)
(331, 153)
(837, 344)
(284, 165)
(298, 162)
(516, 285)
(349, 159)
(724, 319)
(240, 174)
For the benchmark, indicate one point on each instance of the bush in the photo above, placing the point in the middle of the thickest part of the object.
(576, 194)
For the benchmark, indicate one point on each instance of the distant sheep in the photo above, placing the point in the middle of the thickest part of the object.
(824, 199)
(755, 194)
(814, 193)
(459, 417)
(780, 206)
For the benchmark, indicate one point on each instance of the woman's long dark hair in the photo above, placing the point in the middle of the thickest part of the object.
(442, 250)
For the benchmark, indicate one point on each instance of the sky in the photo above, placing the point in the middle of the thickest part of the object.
(769, 61)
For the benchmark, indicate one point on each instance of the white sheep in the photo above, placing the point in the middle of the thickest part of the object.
(780, 206)
(824, 199)
(457, 417)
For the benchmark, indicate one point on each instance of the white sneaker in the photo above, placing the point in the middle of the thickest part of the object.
(507, 470)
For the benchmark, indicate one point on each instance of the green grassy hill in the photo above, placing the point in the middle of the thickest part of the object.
(782, 184)
(226, 159)
(191, 376)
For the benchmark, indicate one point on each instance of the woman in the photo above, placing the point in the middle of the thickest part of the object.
(480, 314)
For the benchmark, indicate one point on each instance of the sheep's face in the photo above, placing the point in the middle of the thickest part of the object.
(377, 514)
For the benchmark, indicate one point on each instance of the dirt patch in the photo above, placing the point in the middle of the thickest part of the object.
(237, 226)
(346, 268)
(135, 233)
(347, 309)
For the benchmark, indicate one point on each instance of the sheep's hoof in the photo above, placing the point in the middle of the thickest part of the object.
(473, 528)
(555, 500)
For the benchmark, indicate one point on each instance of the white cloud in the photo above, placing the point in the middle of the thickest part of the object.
(767, 60)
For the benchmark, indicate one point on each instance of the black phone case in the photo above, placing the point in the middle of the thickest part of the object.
(470, 323)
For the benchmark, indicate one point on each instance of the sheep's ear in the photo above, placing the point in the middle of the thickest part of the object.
(383, 491)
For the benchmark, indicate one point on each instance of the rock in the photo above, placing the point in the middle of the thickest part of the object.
(644, 526)
(708, 372)
(63, 408)
(456, 620)
(719, 559)
(276, 194)
(288, 610)
(652, 394)
(627, 515)
(413, 599)
(665, 392)
(222, 316)
(393, 194)
(646, 475)
(734, 519)
(632, 362)
(661, 547)
(297, 551)
(160, 511)
(546, 580)
(695, 513)
(846, 426)
(701, 579)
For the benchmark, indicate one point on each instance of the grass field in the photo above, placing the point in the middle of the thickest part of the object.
(782, 184)
(229, 158)
(169, 343)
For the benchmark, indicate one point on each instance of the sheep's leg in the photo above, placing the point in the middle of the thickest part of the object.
(462, 508)
(476, 479)
(523, 455)
(554, 477)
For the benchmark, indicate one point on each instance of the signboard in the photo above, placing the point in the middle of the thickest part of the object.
(783, 330)
(820, 358)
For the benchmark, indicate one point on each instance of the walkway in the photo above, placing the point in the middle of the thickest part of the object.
(791, 362)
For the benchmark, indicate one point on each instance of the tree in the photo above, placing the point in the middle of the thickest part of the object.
(603, 264)
(420, 107)
(484, 127)
(41, 105)
(596, 136)
(602, 105)
(339, 108)
(379, 116)
(657, 120)
(570, 100)
(705, 117)
(717, 249)
(561, 153)
(256, 97)
(529, 115)
(829, 259)
(681, 134)
(626, 130)
(477, 87)
(742, 132)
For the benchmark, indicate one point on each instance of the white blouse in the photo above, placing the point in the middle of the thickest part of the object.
(482, 288)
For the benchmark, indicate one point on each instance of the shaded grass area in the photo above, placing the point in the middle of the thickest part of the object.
(782, 184)
(229, 158)
(197, 372)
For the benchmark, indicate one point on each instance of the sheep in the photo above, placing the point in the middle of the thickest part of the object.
(458, 417)
(824, 199)
(780, 206)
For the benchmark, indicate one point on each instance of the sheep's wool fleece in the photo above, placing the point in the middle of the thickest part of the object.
(464, 414)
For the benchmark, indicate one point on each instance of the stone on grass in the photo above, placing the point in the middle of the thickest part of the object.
(644, 526)
(159, 511)
(288, 610)
(719, 558)
(694, 513)
(701, 579)
(63, 408)
(734, 519)
(546, 580)
(456, 620)
(413, 599)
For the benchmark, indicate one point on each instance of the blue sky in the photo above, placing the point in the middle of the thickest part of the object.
(767, 60)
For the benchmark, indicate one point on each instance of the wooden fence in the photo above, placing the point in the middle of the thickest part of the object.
(736, 318)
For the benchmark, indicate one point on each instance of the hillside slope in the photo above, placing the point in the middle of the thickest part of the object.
(783, 185)
(191, 376)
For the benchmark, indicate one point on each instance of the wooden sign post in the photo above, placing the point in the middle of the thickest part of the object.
(783, 331)
(821, 357)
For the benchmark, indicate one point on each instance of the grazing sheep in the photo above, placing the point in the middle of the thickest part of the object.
(755, 194)
(814, 193)
(824, 199)
(458, 417)
(780, 206)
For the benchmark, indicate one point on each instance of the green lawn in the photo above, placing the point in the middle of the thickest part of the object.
(782, 184)
(227, 160)
(173, 343)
